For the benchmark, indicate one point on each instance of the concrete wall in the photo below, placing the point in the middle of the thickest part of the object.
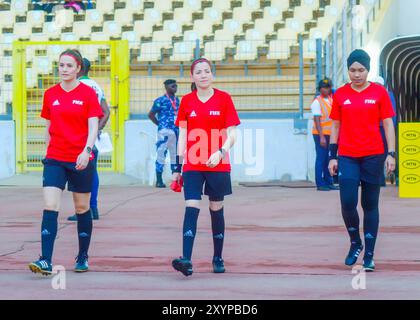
(400, 19)
(266, 150)
(7, 149)
(408, 17)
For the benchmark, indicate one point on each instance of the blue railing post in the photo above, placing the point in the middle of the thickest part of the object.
(334, 56)
(353, 30)
(344, 42)
(327, 57)
(318, 60)
(197, 49)
(300, 76)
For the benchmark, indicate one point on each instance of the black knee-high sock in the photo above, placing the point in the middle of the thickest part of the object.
(84, 231)
(48, 233)
(218, 229)
(189, 230)
(370, 203)
(349, 193)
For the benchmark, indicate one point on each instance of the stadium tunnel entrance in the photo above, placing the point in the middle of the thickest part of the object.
(400, 67)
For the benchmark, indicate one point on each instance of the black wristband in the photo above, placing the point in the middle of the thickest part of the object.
(178, 165)
(333, 151)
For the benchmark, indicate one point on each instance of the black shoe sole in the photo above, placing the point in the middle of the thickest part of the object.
(35, 269)
(185, 269)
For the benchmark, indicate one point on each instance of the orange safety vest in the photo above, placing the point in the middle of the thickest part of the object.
(325, 121)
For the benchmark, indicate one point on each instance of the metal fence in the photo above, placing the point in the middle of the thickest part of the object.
(35, 69)
(6, 81)
(275, 77)
(263, 75)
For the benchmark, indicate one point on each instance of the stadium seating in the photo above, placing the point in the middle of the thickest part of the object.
(165, 31)
(215, 32)
(134, 5)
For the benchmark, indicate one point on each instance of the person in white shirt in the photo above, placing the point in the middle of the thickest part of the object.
(102, 123)
(321, 109)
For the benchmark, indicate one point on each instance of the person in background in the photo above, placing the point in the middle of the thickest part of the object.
(166, 109)
(321, 109)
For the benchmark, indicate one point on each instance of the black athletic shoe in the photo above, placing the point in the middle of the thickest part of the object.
(333, 187)
(72, 218)
(160, 185)
(81, 264)
(218, 265)
(368, 264)
(354, 252)
(183, 265)
(95, 213)
(323, 189)
(41, 266)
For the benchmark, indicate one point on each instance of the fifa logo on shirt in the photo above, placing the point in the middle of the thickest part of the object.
(370, 101)
(78, 102)
(215, 113)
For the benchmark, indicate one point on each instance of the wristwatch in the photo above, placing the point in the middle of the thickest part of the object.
(223, 152)
(89, 150)
(392, 154)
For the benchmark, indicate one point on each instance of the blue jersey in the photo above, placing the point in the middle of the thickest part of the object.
(166, 109)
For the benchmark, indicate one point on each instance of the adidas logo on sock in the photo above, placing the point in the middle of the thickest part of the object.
(218, 236)
(45, 232)
(369, 236)
(83, 235)
(189, 233)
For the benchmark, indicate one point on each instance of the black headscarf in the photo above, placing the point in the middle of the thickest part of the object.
(360, 56)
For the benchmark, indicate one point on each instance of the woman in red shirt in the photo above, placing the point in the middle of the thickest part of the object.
(358, 107)
(71, 110)
(207, 120)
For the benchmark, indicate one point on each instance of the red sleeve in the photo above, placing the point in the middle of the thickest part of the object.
(94, 108)
(335, 109)
(232, 118)
(45, 113)
(385, 106)
(181, 119)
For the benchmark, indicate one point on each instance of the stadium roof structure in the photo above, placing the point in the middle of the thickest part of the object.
(400, 67)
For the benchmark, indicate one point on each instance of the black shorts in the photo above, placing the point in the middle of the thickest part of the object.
(217, 185)
(368, 169)
(59, 173)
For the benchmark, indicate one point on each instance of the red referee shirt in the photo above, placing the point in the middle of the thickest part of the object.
(360, 114)
(68, 113)
(206, 125)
